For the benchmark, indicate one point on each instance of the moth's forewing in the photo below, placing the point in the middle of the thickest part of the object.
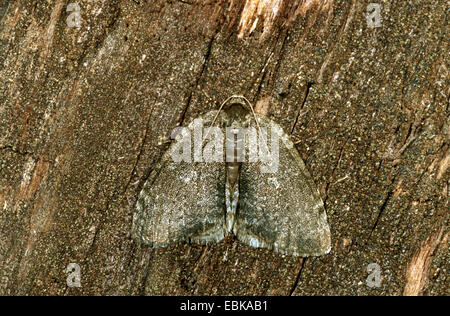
(282, 210)
(181, 201)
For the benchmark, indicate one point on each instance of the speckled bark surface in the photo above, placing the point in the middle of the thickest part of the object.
(85, 115)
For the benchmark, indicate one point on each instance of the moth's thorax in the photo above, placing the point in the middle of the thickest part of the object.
(237, 116)
(233, 173)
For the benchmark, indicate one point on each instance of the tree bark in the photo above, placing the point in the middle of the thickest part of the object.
(86, 113)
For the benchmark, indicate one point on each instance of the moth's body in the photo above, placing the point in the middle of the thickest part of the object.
(235, 114)
(204, 202)
(231, 194)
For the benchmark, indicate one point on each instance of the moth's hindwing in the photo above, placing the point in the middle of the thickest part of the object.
(181, 201)
(282, 210)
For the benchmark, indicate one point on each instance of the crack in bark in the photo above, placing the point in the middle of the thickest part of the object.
(277, 65)
(141, 150)
(333, 173)
(297, 116)
(297, 279)
(380, 213)
(414, 131)
(200, 75)
(382, 209)
(145, 278)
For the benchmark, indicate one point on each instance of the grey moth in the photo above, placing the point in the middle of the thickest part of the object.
(233, 171)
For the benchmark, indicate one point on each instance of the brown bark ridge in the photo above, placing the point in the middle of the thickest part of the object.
(86, 112)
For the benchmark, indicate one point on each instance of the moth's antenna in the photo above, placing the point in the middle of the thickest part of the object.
(249, 104)
(220, 109)
(225, 102)
(251, 107)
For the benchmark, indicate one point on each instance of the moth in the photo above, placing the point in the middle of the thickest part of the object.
(241, 175)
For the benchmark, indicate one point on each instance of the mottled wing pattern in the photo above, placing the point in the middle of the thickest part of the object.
(282, 210)
(181, 202)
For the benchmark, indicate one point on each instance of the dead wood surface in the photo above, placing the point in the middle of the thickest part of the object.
(85, 114)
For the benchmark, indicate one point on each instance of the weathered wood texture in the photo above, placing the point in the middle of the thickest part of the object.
(85, 113)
